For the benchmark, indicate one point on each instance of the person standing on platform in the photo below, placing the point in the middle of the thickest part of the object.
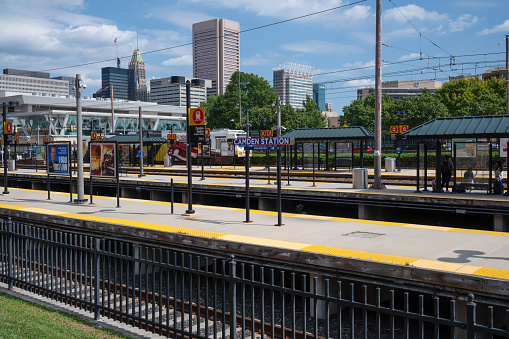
(447, 169)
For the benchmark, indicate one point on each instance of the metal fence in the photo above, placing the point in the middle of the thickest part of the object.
(179, 294)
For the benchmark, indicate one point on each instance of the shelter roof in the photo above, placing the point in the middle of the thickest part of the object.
(135, 139)
(483, 126)
(333, 133)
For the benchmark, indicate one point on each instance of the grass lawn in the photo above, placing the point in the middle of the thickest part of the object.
(21, 319)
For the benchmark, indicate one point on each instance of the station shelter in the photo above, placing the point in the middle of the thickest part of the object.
(475, 143)
(336, 144)
(154, 149)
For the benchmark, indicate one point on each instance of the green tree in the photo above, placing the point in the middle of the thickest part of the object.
(256, 95)
(420, 109)
(361, 112)
(313, 117)
(473, 96)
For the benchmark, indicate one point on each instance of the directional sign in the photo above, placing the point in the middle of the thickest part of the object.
(260, 148)
(93, 135)
(171, 136)
(197, 116)
(263, 141)
(263, 133)
(16, 137)
(403, 128)
(207, 132)
(394, 129)
(399, 150)
(8, 127)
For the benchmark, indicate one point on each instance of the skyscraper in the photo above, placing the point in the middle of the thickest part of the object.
(164, 92)
(292, 83)
(216, 52)
(123, 81)
(138, 66)
(319, 96)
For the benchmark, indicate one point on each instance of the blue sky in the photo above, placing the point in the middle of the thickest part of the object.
(454, 37)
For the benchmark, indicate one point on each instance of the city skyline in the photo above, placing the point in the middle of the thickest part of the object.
(339, 44)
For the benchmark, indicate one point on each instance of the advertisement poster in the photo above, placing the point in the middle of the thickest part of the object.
(503, 148)
(58, 158)
(102, 160)
(227, 149)
(40, 152)
(465, 148)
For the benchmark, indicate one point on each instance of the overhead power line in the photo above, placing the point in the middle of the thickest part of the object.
(190, 43)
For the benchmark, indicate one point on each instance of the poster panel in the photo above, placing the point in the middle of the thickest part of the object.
(227, 149)
(503, 148)
(102, 160)
(40, 152)
(58, 158)
(465, 148)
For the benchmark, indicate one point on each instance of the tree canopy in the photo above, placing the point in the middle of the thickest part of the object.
(455, 98)
(259, 99)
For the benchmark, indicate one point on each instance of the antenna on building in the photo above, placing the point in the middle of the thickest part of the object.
(137, 41)
(116, 49)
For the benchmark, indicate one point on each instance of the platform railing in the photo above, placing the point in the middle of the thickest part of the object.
(180, 294)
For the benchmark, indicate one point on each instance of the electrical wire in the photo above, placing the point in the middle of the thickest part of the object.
(191, 43)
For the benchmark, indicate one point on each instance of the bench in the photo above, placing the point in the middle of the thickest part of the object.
(464, 186)
(343, 162)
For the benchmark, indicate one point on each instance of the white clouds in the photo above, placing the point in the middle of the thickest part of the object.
(429, 21)
(463, 22)
(362, 83)
(184, 60)
(321, 47)
(409, 56)
(502, 28)
(413, 13)
(177, 16)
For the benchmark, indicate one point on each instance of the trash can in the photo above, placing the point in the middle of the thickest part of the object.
(11, 165)
(360, 178)
(168, 161)
(390, 164)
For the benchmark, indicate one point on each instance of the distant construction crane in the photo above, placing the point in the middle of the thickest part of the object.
(116, 49)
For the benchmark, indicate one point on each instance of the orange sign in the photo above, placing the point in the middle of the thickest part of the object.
(16, 137)
(197, 116)
(100, 137)
(403, 128)
(207, 132)
(8, 127)
(270, 133)
(170, 136)
(394, 129)
(263, 133)
(45, 139)
(93, 135)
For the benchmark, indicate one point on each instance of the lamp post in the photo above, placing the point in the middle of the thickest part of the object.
(4, 107)
(79, 135)
(267, 166)
(180, 80)
(399, 114)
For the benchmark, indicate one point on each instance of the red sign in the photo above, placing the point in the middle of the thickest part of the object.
(45, 139)
(394, 129)
(16, 137)
(270, 133)
(170, 136)
(403, 128)
(263, 133)
(8, 127)
(93, 135)
(197, 116)
(207, 132)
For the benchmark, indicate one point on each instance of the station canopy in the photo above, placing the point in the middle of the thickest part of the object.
(135, 139)
(333, 133)
(482, 126)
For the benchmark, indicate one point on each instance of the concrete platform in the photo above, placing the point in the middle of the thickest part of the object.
(470, 259)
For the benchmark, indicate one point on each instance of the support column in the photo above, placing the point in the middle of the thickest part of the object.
(500, 223)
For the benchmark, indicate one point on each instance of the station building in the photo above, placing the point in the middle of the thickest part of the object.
(38, 115)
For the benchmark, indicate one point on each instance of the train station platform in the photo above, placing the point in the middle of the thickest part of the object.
(453, 257)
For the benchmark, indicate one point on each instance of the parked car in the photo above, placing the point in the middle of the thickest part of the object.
(365, 149)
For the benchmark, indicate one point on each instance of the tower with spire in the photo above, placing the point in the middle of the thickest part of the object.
(138, 66)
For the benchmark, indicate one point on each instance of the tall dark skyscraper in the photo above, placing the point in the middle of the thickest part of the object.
(123, 81)
(138, 65)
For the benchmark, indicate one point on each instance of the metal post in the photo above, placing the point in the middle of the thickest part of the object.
(140, 128)
(470, 316)
(233, 297)
(91, 189)
(418, 167)
(15, 151)
(188, 153)
(69, 151)
(507, 75)
(289, 150)
(377, 183)
(248, 217)
(117, 166)
(79, 125)
(171, 189)
(279, 207)
(97, 273)
(10, 253)
(4, 106)
(202, 162)
(398, 143)
(112, 112)
(314, 185)
(425, 167)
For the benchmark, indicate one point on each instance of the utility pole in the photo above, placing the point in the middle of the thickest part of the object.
(79, 125)
(507, 74)
(140, 128)
(377, 184)
(112, 112)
